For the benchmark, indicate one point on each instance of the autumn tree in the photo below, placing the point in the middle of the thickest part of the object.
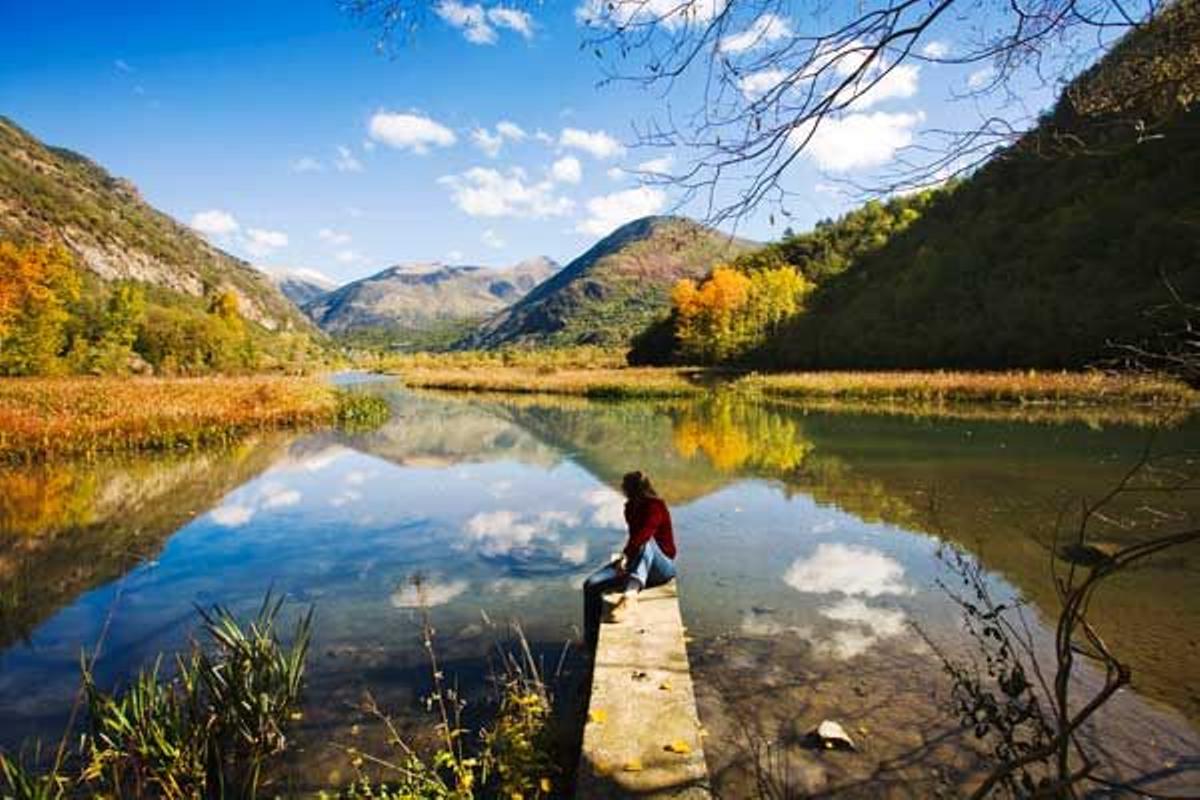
(729, 312)
(123, 316)
(36, 285)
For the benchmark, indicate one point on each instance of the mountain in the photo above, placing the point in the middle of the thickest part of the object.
(301, 286)
(52, 195)
(613, 290)
(417, 302)
(1078, 236)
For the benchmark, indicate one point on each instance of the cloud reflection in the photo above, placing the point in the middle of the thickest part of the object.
(847, 569)
(427, 593)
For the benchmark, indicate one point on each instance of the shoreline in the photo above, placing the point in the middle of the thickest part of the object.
(42, 419)
(1017, 389)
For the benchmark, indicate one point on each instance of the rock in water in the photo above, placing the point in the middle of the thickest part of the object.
(829, 735)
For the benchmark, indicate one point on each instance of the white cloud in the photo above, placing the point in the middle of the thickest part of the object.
(345, 498)
(936, 49)
(276, 495)
(607, 508)
(427, 593)
(511, 130)
(122, 65)
(231, 516)
(755, 84)
(493, 239)
(543, 137)
(513, 19)
(215, 223)
(846, 569)
(858, 141)
(981, 77)
(766, 29)
(261, 242)
(567, 170)
(490, 143)
(899, 83)
(455, 256)
(470, 19)
(409, 132)
(609, 211)
(615, 173)
(347, 256)
(307, 164)
(330, 236)
(484, 192)
(866, 627)
(658, 166)
(598, 144)
(671, 14)
(346, 161)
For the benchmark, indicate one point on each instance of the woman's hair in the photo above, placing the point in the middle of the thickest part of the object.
(635, 485)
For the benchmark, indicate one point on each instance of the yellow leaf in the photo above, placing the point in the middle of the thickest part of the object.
(633, 765)
(598, 716)
(665, 686)
(679, 746)
(545, 785)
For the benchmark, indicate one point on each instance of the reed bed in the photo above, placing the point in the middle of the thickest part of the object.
(927, 389)
(42, 418)
(631, 382)
(1013, 387)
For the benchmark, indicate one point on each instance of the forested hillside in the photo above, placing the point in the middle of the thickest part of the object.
(613, 290)
(93, 279)
(1064, 245)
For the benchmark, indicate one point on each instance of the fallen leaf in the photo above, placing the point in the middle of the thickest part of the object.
(597, 715)
(679, 746)
(665, 686)
(633, 765)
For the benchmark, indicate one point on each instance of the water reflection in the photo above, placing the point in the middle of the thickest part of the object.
(808, 546)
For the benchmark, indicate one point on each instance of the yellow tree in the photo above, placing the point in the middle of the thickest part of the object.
(36, 284)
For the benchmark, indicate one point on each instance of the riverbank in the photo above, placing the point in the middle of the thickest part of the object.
(918, 388)
(42, 418)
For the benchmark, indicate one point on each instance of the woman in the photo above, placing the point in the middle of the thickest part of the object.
(647, 560)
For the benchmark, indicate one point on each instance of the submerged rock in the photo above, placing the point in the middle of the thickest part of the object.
(829, 735)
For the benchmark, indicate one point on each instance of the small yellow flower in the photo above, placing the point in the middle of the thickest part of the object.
(597, 715)
(545, 785)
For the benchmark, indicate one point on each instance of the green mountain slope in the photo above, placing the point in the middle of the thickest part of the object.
(1055, 250)
(49, 194)
(613, 290)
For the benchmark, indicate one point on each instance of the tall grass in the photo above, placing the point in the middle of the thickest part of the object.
(43, 418)
(927, 389)
(205, 732)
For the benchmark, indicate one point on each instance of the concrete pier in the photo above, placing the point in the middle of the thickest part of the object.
(643, 737)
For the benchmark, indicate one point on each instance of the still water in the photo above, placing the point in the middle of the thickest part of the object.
(813, 553)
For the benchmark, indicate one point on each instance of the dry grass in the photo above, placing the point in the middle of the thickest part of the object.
(975, 387)
(924, 388)
(49, 417)
(630, 382)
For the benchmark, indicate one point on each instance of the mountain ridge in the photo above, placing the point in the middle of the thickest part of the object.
(54, 195)
(612, 290)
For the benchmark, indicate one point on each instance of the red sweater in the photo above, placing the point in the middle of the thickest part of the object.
(648, 519)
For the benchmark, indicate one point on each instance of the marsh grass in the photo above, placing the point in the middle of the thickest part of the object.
(205, 731)
(45, 418)
(927, 389)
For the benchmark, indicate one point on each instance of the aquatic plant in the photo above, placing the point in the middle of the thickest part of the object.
(515, 757)
(361, 411)
(205, 732)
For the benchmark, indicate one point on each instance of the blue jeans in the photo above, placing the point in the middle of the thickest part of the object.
(651, 568)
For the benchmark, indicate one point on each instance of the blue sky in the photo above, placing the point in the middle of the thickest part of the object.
(278, 130)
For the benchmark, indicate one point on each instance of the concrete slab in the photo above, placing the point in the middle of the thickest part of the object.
(642, 735)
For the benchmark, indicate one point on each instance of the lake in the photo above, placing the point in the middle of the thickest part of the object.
(816, 549)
